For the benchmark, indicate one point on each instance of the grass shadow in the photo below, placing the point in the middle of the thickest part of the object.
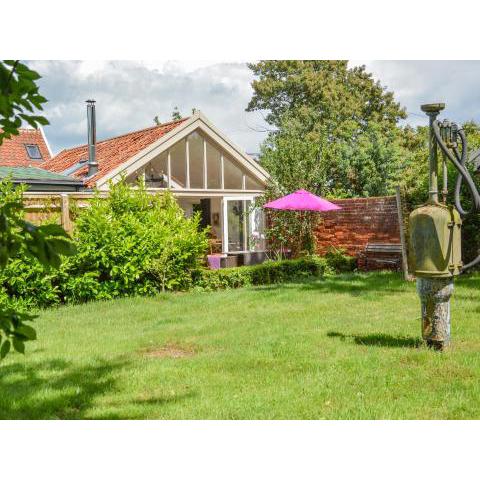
(53, 389)
(354, 284)
(134, 414)
(164, 400)
(379, 340)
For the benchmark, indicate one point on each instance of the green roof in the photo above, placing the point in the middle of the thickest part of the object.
(26, 174)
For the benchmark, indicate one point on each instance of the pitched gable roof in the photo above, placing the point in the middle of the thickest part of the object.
(13, 152)
(110, 153)
(199, 122)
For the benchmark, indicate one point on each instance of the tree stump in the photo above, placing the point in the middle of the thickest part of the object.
(435, 296)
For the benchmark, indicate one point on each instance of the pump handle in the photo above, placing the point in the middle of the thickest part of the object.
(458, 161)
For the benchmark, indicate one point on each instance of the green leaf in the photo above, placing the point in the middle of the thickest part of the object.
(18, 345)
(62, 247)
(27, 331)
(31, 75)
(28, 119)
(54, 230)
(39, 99)
(5, 349)
(40, 120)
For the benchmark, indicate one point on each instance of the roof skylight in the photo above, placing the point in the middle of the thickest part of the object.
(33, 152)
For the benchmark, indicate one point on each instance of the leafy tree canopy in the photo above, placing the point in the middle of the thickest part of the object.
(348, 119)
(326, 95)
(19, 98)
(19, 95)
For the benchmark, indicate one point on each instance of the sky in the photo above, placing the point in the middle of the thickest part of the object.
(130, 94)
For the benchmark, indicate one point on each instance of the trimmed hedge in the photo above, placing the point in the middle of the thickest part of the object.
(267, 273)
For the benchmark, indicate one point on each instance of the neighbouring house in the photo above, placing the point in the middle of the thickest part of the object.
(29, 148)
(21, 159)
(204, 169)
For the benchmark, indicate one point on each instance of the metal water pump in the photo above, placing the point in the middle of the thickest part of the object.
(435, 256)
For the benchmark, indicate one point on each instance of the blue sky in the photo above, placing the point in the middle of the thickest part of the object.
(130, 93)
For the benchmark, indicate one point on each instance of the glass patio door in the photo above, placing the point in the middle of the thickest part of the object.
(242, 225)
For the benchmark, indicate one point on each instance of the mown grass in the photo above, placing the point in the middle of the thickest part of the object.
(341, 348)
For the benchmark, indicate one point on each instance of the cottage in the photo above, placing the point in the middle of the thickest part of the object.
(205, 171)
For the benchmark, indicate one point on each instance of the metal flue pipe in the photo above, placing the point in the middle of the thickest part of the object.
(92, 138)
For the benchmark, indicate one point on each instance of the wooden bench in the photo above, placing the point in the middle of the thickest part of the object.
(383, 254)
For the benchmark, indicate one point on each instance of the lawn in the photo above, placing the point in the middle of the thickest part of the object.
(346, 347)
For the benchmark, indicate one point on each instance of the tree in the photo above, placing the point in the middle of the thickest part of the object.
(46, 243)
(326, 94)
(19, 98)
(19, 93)
(372, 165)
(342, 110)
(176, 114)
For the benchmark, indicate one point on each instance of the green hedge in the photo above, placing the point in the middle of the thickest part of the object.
(266, 273)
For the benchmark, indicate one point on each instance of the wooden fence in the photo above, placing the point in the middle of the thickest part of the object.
(61, 207)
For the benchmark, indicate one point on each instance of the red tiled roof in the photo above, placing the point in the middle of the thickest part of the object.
(110, 153)
(14, 154)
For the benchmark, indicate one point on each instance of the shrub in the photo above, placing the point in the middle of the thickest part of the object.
(224, 278)
(266, 273)
(339, 261)
(27, 278)
(27, 281)
(132, 243)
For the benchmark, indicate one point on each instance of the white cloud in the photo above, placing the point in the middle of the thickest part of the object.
(417, 82)
(129, 94)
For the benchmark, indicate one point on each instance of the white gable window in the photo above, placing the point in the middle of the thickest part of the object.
(232, 173)
(195, 158)
(214, 167)
(178, 163)
(197, 162)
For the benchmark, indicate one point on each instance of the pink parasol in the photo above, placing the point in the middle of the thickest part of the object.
(302, 200)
